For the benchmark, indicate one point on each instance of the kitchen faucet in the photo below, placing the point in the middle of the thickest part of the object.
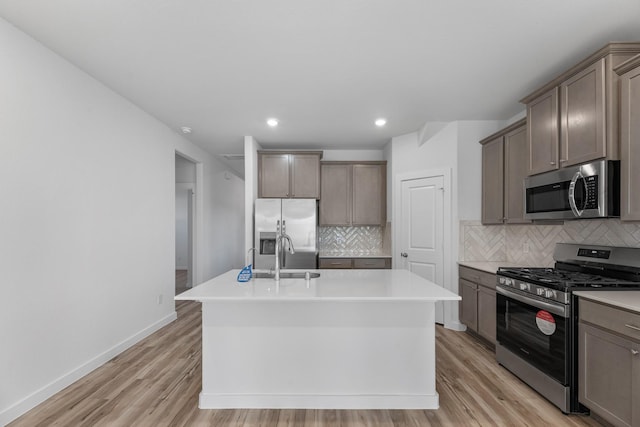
(280, 235)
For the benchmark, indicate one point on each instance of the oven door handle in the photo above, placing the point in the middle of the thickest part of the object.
(559, 309)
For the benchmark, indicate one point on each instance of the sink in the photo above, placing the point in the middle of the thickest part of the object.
(285, 275)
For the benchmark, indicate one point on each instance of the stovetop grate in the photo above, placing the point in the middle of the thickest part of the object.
(564, 279)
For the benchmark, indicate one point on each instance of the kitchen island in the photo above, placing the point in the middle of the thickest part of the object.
(349, 339)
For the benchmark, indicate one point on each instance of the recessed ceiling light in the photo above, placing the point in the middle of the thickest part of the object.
(272, 122)
(186, 130)
(381, 122)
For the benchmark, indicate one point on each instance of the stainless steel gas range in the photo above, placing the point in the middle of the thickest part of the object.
(537, 314)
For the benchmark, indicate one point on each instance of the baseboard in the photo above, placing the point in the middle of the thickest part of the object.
(455, 326)
(315, 401)
(34, 399)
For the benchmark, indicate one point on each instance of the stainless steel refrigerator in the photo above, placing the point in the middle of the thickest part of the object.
(299, 219)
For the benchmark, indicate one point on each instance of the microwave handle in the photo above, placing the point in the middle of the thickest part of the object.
(572, 194)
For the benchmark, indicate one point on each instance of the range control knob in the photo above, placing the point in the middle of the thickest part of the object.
(506, 281)
(540, 291)
(524, 286)
(549, 293)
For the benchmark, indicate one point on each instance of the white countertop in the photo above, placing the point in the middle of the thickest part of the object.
(629, 300)
(332, 285)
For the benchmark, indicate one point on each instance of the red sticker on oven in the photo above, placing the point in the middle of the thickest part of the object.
(546, 323)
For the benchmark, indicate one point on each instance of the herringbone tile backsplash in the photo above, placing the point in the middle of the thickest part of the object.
(533, 244)
(357, 240)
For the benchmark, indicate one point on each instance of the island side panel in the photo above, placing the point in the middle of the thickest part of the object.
(319, 354)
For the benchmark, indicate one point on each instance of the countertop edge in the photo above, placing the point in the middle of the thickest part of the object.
(627, 300)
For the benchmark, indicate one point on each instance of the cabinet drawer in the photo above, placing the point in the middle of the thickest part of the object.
(615, 319)
(476, 276)
(371, 263)
(336, 263)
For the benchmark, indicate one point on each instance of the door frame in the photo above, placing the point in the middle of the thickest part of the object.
(450, 312)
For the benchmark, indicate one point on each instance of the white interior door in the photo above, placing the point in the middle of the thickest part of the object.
(421, 246)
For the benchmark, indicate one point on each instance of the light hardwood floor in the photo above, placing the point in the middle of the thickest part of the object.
(157, 381)
(181, 281)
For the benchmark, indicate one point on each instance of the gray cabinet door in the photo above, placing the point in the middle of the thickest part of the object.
(609, 375)
(516, 159)
(542, 133)
(274, 175)
(335, 194)
(468, 306)
(493, 181)
(630, 145)
(369, 194)
(305, 176)
(582, 116)
(487, 313)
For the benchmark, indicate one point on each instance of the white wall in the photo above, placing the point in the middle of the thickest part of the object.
(87, 222)
(454, 147)
(251, 148)
(470, 165)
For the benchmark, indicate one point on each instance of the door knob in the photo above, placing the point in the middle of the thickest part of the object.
(404, 254)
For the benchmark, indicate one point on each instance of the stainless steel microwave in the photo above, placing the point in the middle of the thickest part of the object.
(590, 190)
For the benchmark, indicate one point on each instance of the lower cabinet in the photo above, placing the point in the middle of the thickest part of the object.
(478, 305)
(609, 363)
(487, 313)
(355, 263)
(469, 304)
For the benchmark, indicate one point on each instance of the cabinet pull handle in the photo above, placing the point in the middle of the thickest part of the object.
(634, 352)
(336, 263)
(635, 328)
(552, 163)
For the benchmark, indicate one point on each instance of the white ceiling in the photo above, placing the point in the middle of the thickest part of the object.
(326, 68)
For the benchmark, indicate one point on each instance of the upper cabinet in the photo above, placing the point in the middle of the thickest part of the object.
(493, 181)
(369, 194)
(574, 118)
(504, 164)
(289, 174)
(335, 194)
(582, 116)
(630, 139)
(353, 193)
(543, 134)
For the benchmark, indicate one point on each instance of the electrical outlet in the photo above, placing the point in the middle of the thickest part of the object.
(159, 299)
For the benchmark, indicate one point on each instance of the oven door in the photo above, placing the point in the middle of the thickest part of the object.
(536, 331)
